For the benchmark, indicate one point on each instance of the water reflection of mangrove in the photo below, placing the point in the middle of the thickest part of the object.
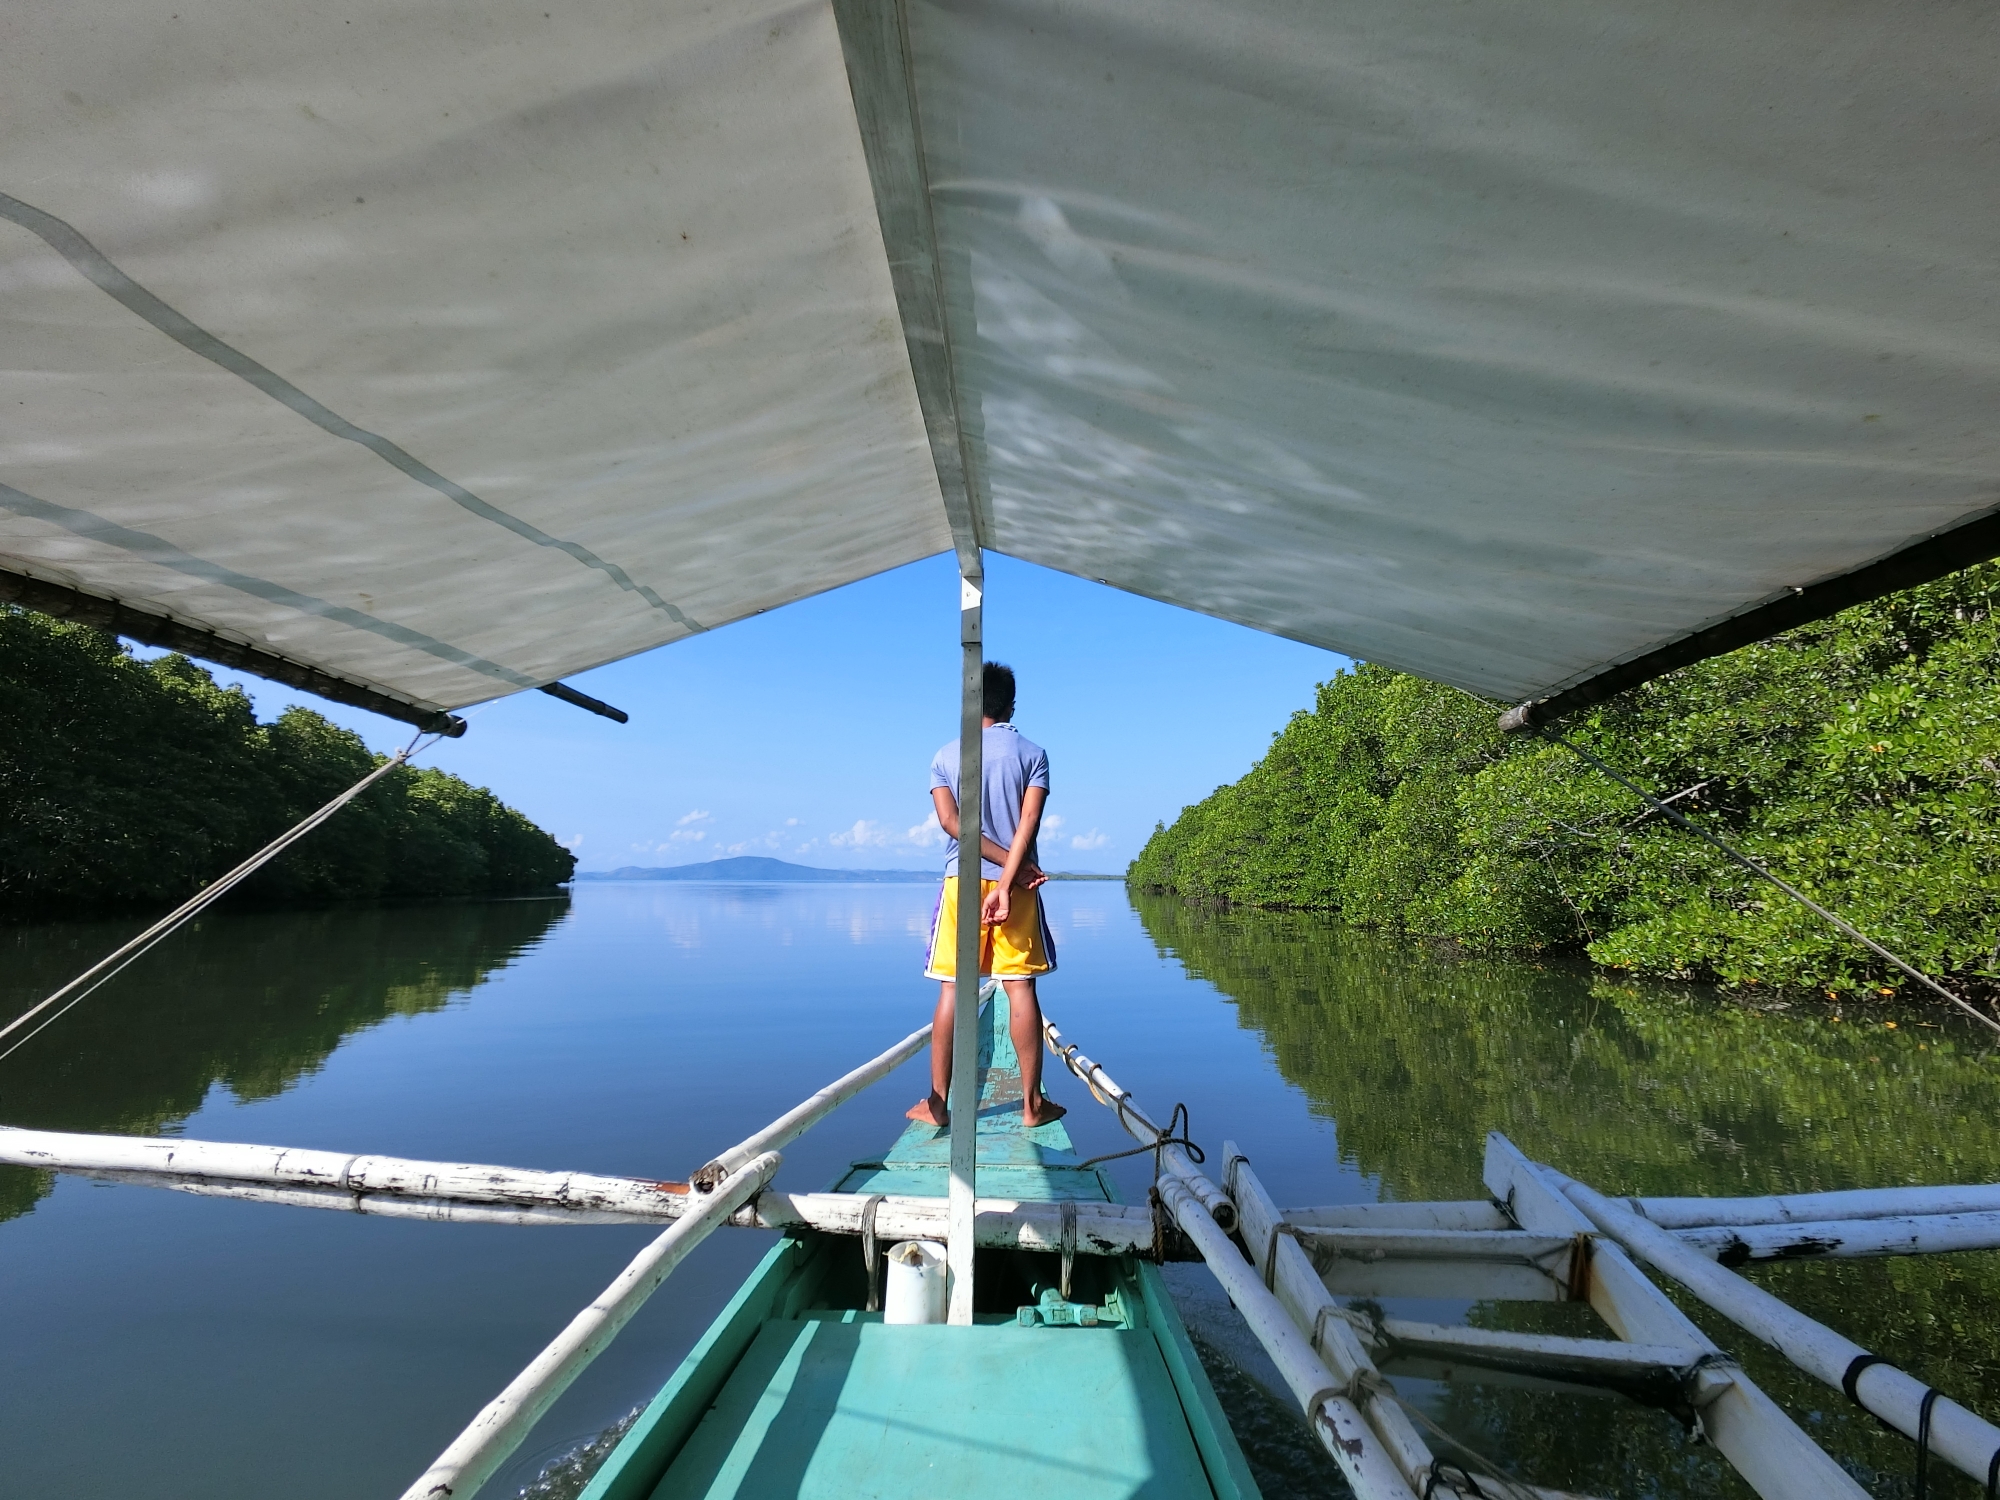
(1416, 1053)
(252, 1002)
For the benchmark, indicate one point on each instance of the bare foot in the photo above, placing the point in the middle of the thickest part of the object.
(929, 1110)
(1042, 1111)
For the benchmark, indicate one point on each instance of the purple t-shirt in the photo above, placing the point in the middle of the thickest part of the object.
(1012, 763)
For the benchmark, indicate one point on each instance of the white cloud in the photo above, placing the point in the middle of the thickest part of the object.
(926, 835)
(691, 817)
(1052, 823)
(865, 833)
(1090, 840)
(791, 822)
(575, 843)
(687, 836)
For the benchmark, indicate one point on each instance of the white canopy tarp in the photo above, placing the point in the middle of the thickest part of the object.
(453, 348)
(607, 280)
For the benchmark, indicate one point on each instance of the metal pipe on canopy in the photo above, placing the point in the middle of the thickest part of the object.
(598, 706)
(1932, 557)
(152, 629)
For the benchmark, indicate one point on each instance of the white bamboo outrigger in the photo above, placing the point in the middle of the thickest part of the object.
(1843, 1239)
(1139, 1125)
(1813, 1208)
(1766, 1447)
(497, 1431)
(458, 1192)
(1541, 1236)
(1903, 1221)
(796, 1121)
(1962, 1438)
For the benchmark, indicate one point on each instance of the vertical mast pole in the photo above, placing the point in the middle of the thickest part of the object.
(964, 1101)
(875, 41)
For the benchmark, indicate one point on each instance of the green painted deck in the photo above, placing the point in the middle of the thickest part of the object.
(794, 1394)
(830, 1410)
(1038, 1165)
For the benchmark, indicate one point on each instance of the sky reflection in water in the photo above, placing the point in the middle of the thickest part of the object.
(165, 1345)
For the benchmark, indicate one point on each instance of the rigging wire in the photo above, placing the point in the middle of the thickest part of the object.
(86, 983)
(1158, 1145)
(1758, 869)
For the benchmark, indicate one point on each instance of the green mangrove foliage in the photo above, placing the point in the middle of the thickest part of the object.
(1859, 757)
(126, 783)
(1416, 1051)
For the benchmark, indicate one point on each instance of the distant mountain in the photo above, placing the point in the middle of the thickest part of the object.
(752, 867)
(757, 867)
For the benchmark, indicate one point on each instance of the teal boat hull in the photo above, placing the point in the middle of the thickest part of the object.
(796, 1391)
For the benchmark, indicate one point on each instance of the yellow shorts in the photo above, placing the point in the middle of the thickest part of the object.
(1019, 948)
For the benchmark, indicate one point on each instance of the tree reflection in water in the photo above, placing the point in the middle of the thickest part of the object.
(253, 1002)
(1416, 1052)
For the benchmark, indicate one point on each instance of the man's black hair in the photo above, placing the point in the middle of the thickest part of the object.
(997, 692)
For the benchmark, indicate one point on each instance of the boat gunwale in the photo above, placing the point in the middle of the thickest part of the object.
(635, 1466)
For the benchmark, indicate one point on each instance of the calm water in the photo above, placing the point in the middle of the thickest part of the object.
(159, 1345)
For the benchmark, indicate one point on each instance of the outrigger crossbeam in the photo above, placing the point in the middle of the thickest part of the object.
(1540, 1237)
(461, 1193)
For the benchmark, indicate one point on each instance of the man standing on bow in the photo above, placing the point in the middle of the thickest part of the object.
(1014, 942)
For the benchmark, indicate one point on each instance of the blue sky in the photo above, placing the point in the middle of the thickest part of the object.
(806, 733)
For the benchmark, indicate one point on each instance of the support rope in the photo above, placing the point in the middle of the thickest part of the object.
(1789, 889)
(1068, 1243)
(1370, 1384)
(1924, 1442)
(1158, 1145)
(1116, 1098)
(869, 1259)
(86, 983)
(1162, 1220)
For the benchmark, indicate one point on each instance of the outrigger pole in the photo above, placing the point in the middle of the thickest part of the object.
(479, 1451)
(1919, 1412)
(1565, 1238)
(964, 1102)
